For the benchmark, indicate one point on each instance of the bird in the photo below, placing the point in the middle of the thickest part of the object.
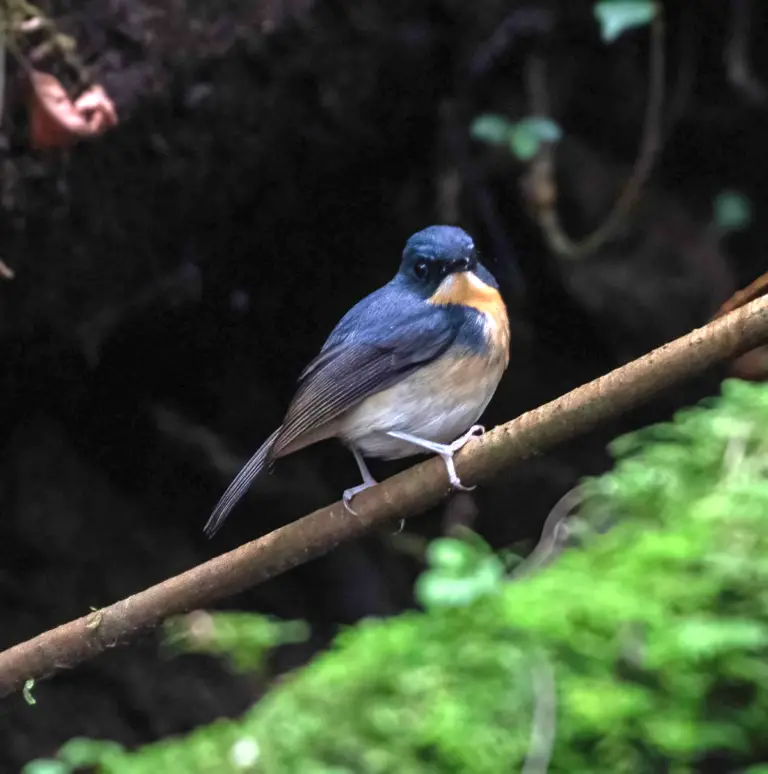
(407, 371)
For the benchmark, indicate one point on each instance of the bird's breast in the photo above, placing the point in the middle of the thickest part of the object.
(438, 402)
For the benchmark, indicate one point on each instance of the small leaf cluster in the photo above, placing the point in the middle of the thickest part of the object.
(77, 754)
(617, 16)
(460, 571)
(242, 639)
(523, 138)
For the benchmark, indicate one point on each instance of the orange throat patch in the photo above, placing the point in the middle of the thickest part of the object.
(467, 289)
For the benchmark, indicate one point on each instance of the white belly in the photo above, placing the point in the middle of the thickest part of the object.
(438, 403)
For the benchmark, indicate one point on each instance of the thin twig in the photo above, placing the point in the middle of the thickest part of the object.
(554, 533)
(3, 52)
(407, 494)
(542, 189)
(737, 59)
(516, 24)
(755, 289)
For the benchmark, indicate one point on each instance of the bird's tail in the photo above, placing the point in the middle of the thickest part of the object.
(239, 485)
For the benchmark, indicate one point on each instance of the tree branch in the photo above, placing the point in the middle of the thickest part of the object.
(407, 494)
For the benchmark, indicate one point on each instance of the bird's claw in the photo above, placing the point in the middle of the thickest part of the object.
(453, 477)
(346, 498)
(474, 432)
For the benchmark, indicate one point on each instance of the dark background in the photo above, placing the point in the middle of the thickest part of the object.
(174, 276)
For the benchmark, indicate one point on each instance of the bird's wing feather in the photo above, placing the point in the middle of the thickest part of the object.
(353, 367)
(239, 485)
(375, 345)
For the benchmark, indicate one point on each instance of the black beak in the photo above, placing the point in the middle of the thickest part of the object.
(460, 265)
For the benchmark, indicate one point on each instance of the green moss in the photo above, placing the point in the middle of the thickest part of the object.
(656, 629)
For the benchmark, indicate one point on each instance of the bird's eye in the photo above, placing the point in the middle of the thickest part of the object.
(421, 269)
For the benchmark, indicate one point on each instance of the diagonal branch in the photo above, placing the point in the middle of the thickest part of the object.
(406, 494)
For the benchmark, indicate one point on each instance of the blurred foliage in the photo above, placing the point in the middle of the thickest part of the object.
(242, 639)
(523, 138)
(21, 17)
(656, 628)
(76, 754)
(732, 211)
(460, 572)
(617, 16)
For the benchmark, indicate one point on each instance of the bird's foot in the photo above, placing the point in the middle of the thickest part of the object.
(474, 432)
(352, 491)
(368, 481)
(446, 451)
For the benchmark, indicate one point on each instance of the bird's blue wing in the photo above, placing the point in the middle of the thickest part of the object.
(378, 343)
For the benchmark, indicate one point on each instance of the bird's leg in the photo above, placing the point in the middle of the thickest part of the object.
(445, 450)
(368, 480)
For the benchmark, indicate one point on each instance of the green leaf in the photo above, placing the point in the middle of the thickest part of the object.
(524, 145)
(451, 554)
(46, 766)
(618, 16)
(528, 135)
(436, 588)
(545, 129)
(27, 692)
(492, 129)
(732, 211)
(81, 752)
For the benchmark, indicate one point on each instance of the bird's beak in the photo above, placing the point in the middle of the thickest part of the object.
(461, 266)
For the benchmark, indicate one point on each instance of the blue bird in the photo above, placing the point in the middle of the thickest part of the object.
(406, 371)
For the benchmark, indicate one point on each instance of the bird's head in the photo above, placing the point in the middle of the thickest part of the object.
(438, 260)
